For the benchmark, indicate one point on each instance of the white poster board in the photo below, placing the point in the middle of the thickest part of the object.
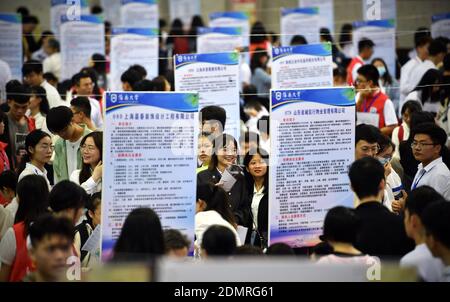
(72, 9)
(379, 9)
(312, 134)
(11, 43)
(300, 21)
(326, 11)
(440, 26)
(219, 39)
(139, 13)
(184, 10)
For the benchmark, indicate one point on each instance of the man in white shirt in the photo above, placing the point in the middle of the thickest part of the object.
(33, 75)
(436, 219)
(421, 42)
(429, 140)
(5, 76)
(428, 267)
(53, 62)
(436, 53)
(84, 86)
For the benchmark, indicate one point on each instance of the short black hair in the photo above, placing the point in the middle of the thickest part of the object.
(370, 72)
(365, 176)
(339, 72)
(436, 47)
(211, 113)
(23, 10)
(78, 76)
(420, 117)
(59, 118)
(280, 249)
(411, 106)
(385, 142)
(436, 219)
(263, 125)
(422, 36)
(28, 19)
(365, 43)
(420, 198)
(48, 225)
(143, 85)
(139, 69)
(248, 250)
(219, 241)
(53, 43)
(32, 66)
(8, 179)
(175, 240)
(17, 92)
(341, 224)
(298, 40)
(49, 76)
(131, 77)
(83, 104)
(67, 195)
(436, 133)
(369, 133)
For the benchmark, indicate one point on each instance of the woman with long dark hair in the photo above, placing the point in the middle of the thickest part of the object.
(224, 156)
(141, 237)
(39, 106)
(388, 84)
(427, 91)
(89, 177)
(256, 162)
(261, 78)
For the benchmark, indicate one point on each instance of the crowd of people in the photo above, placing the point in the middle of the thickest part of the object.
(51, 147)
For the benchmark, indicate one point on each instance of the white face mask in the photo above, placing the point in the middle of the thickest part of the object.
(381, 70)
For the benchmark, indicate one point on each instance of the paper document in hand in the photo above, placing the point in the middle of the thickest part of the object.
(93, 242)
(227, 181)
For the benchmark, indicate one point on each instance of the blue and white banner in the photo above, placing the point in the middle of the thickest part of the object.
(232, 19)
(326, 11)
(184, 10)
(219, 39)
(111, 11)
(216, 78)
(131, 46)
(80, 39)
(11, 44)
(302, 66)
(139, 13)
(440, 26)
(379, 9)
(382, 33)
(72, 9)
(149, 160)
(312, 134)
(300, 21)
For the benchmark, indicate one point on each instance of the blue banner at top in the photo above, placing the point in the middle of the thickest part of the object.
(330, 96)
(83, 18)
(174, 101)
(148, 32)
(231, 15)
(225, 58)
(232, 31)
(83, 3)
(322, 50)
(150, 2)
(300, 10)
(387, 23)
(11, 18)
(440, 17)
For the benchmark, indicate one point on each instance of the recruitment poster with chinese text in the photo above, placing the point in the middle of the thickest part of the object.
(149, 160)
(216, 78)
(11, 44)
(303, 21)
(302, 66)
(312, 142)
(139, 13)
(219, 39)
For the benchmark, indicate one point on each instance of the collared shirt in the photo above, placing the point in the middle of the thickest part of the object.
(428, 267)
(53, 97)
(53, 64)
(31, 169)
(257, 196)
(405, 83)
(436, 175)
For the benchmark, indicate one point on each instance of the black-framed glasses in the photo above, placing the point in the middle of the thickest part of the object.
(420, 144)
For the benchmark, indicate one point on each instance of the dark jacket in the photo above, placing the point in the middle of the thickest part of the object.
(263, 221)
(382, 232)
(238, 194)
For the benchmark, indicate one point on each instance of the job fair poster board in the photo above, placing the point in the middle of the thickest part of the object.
(232, 19)
(72, 9)
(326, 11)
(216, 78)
(302, 66)
(382, 33)
(139, 13)
(379, 9)
(11, 43)
(300, 21)
(131, 46)
(219, 39)
(80, 39)
(312, 140)
(111, 10)
(440, 26)
(184, 10)
(149, 160)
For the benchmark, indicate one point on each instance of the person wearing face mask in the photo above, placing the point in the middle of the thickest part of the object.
(388, 84)
(224, 156)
